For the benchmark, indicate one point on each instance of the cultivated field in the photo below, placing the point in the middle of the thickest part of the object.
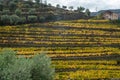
(79, 49)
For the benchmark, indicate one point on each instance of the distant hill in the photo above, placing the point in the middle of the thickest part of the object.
(99, 12)
(93, 13)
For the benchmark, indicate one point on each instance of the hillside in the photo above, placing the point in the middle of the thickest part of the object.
(79, 49)
(101, 11)
(13, 12)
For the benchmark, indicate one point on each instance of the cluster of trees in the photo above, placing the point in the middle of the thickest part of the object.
(13, 4)
(79, 9)
(36, 68)
(13, 12)
(18, 18)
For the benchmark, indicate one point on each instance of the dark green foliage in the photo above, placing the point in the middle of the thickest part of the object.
(32, 19)
(22, 20)
(51, 16)
(7, 57)
(14, 19)
(18, 12)
(32, 11)
(42, 19)
(57, 6)
(1, 6)
(37, 1)
(5, 19)
(13, 68)
(19, 70)
(87, 12)
(64, 7)
(26, 5)
(5, 12)
(80, 9)
(36, 6)
(41, 68)
(30, 2)
(12, 5)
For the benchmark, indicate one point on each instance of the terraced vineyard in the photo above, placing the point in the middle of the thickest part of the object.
(79, 50)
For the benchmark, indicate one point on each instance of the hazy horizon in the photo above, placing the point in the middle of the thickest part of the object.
(93, 5)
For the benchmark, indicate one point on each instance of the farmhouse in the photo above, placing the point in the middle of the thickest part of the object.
(109, 15)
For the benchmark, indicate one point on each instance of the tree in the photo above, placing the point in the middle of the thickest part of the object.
(5, 19)
(27, 5)
(80, 9)
(41, 19)
(49, 4)
(1, 6)
(20, 5)
(30, 2)
(5, 12)
(12, 5)
(36, 68)
(71, 8)
(6, 2)
(87, 12)
(14, 19)
(64, 7)
(18, 12)
(42, 69)
(32, 19)
(37, 2)
(57, 6)
(32, 11)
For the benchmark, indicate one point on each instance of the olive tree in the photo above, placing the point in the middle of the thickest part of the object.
(87, 12)
(12, 5)
(36, 68)
(18, 12)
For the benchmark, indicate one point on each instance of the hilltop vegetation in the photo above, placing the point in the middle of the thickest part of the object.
(13, 12)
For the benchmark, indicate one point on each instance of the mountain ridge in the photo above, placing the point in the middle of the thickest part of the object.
(101, 11)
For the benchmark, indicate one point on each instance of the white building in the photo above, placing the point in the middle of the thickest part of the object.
(109, 15)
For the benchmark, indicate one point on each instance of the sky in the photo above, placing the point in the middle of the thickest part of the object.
(93, 5)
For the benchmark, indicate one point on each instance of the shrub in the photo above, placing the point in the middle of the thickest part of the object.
(32, 19)
(51, 16)
(18, 12)
(20, 70)
(42, 19)
(5, 19)
(1, 6)
(13, 68)
(14, 19)
(12, 5)
(5, 12)
(22, 20)
(32, 11)
(7, 57)
(41, 68)
(26, 6)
